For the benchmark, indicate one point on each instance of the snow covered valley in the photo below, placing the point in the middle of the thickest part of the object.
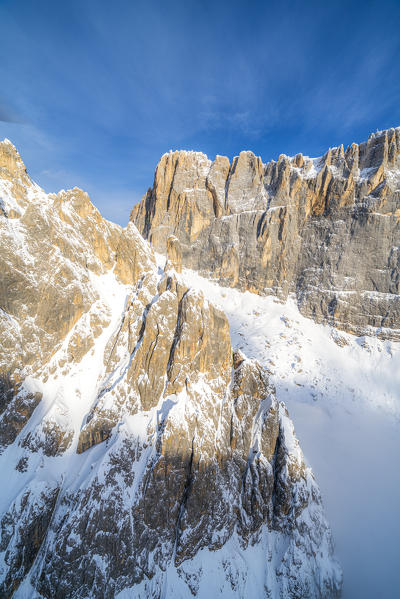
(343, 397)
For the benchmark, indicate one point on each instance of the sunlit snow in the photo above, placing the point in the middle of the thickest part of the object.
(343, 397)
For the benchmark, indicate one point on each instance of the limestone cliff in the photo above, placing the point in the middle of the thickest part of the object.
(51, 247)
(143, 455)
(325, 229)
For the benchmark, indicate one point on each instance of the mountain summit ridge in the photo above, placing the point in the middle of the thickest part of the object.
(144, 455)
(324, 229)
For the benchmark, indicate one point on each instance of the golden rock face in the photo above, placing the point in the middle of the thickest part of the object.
(49, 246)
(326, 229)
(182, 339)
(174, 253)
(137, 435)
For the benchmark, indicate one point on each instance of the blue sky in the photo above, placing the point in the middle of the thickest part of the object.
(93, 92)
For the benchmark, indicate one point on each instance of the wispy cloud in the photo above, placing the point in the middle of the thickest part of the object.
(107, 88)
(362, 86)
(8, 115)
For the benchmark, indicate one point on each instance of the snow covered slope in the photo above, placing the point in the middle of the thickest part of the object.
(343, 393)
(141, 456)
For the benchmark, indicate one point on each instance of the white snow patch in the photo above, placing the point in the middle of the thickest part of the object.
(343, 395)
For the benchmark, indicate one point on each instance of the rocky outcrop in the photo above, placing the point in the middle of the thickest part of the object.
(51, 247)
(142, 453)
(202, 453)
(23, 530)
(174, 254)
(324, 229)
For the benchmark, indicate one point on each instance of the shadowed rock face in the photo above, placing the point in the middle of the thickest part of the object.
(135, 439)
(23, 530)
(325, 229)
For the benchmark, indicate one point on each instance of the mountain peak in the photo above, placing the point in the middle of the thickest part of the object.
(133, 438)
(11, 164)
(295, 225)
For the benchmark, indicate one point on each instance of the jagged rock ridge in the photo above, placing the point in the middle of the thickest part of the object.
(144, 456)
(325, 229)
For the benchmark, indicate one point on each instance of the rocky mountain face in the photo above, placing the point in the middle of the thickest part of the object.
(142, 455)
(325, 229)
